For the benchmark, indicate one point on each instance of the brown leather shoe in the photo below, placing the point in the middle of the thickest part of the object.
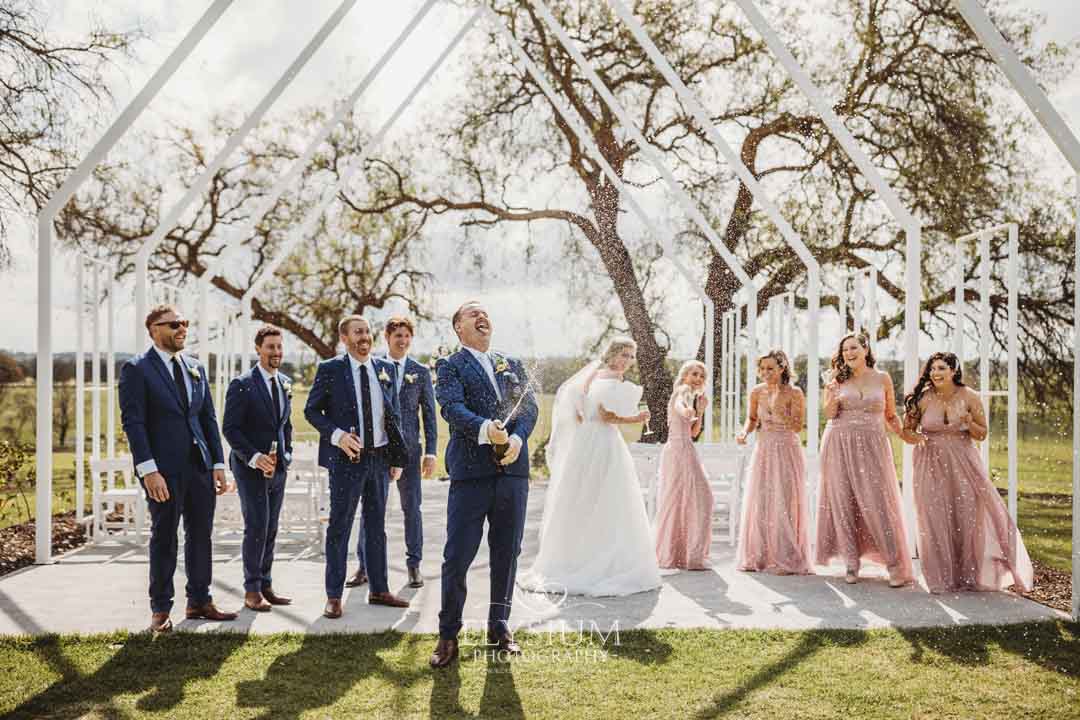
(505, 644)
(274, 599)
(416, 580)
(255, 601)
(360, 578)
(446, 651)
(388, 599)
(160, 623)
(332, 609)
(208, 611)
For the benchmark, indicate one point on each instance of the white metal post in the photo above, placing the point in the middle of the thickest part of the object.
(95, 368)
(43, 504)
(110, 370)
(1014, 349)
(959, 261)
(80, 388)
(984, 338)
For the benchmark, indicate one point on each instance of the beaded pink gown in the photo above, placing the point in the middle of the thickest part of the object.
(967, 541)
(685, 504)
(774, 532)
(859, 514)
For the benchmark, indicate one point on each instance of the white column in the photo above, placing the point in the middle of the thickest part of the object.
(110, 370)
(984, 339)
(95, 368)
(1014, 307)
(80, 388)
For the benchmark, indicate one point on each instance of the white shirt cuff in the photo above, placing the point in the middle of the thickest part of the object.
(336, 436)
(146, 467)
(484, 439)
(219, 466)
(425, 457)
(253, 462)
(520, 442)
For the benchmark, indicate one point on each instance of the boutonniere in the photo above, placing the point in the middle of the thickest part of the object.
(286, 387)
(194, 371)
(384, 377)
(501, 365)
(410, 378)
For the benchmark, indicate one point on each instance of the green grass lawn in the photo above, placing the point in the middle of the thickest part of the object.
(1022, 671)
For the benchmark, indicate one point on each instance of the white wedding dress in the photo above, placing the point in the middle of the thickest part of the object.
(595, 537)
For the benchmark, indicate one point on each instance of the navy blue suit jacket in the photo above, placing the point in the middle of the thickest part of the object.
(332, 405)
(154, 420)
(417, 395)
(249, 423)
(467, 399)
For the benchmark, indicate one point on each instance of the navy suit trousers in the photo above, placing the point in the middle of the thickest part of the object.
(191, 497)
(501, 501)
(363, 483)
(260, 502)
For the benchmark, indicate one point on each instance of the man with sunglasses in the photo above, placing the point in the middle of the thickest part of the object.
(167, 411)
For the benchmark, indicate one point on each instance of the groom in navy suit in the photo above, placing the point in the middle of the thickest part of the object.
(167, 412)
(257, 411)
(489, 474)
(353, 405)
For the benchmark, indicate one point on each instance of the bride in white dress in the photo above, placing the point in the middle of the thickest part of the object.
(595, 537)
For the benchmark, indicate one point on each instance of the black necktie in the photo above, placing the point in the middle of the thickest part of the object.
(277, 398)
(178, 378)
(365, 401)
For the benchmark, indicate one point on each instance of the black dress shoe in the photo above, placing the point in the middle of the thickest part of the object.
(445, 653)
(360, 578)
(416, 580)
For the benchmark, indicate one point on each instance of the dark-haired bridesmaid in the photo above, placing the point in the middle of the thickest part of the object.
(967, 541)
(859, 513)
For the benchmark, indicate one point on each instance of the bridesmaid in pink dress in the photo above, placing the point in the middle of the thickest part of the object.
(775, 533)
(859, 499)
(685, 506)
(967, 541)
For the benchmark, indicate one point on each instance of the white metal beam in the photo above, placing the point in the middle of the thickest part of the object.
(43, 434)
(142, 257)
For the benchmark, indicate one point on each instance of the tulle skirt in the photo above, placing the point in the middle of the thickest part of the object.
(684, 508)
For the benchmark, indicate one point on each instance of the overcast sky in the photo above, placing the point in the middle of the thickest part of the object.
(246, 52)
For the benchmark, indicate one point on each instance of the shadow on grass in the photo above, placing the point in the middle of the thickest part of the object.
(809, 643)
(1053, 646)
(160, 667)
(321, 672)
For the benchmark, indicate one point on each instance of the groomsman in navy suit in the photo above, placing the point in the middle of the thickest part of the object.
(414, 394)
(486, 400)
(353, 405)
(257, 411)
(167, 412)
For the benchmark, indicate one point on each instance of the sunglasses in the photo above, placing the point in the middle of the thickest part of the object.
(174, 324)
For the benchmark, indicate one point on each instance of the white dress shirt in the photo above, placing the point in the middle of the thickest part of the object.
(267, 376)
(150, 466)
(485, 362)
(378, 429)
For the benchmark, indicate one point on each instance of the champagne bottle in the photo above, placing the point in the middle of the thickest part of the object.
(273, 458)
(355, 458)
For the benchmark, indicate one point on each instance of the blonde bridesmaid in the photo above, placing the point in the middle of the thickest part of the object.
(685, 506)
(967, 541)
(859, 515)
(774, 531)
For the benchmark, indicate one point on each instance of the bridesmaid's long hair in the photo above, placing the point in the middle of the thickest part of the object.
(841, 371)
(787, 375)
(911, 400)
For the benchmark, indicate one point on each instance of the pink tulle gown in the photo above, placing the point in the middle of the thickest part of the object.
(859, 513)
(967, 541)
(685, 505)
(774, 533)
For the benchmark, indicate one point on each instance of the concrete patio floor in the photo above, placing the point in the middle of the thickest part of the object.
(101, 588)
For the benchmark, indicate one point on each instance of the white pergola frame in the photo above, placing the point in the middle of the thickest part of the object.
(861, 303)
(960, 256)
(980, 23)
(1039, 104)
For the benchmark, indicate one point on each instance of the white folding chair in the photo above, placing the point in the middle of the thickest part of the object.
(725, 466)
(647, 462)
(306, 478)
(112, 482)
